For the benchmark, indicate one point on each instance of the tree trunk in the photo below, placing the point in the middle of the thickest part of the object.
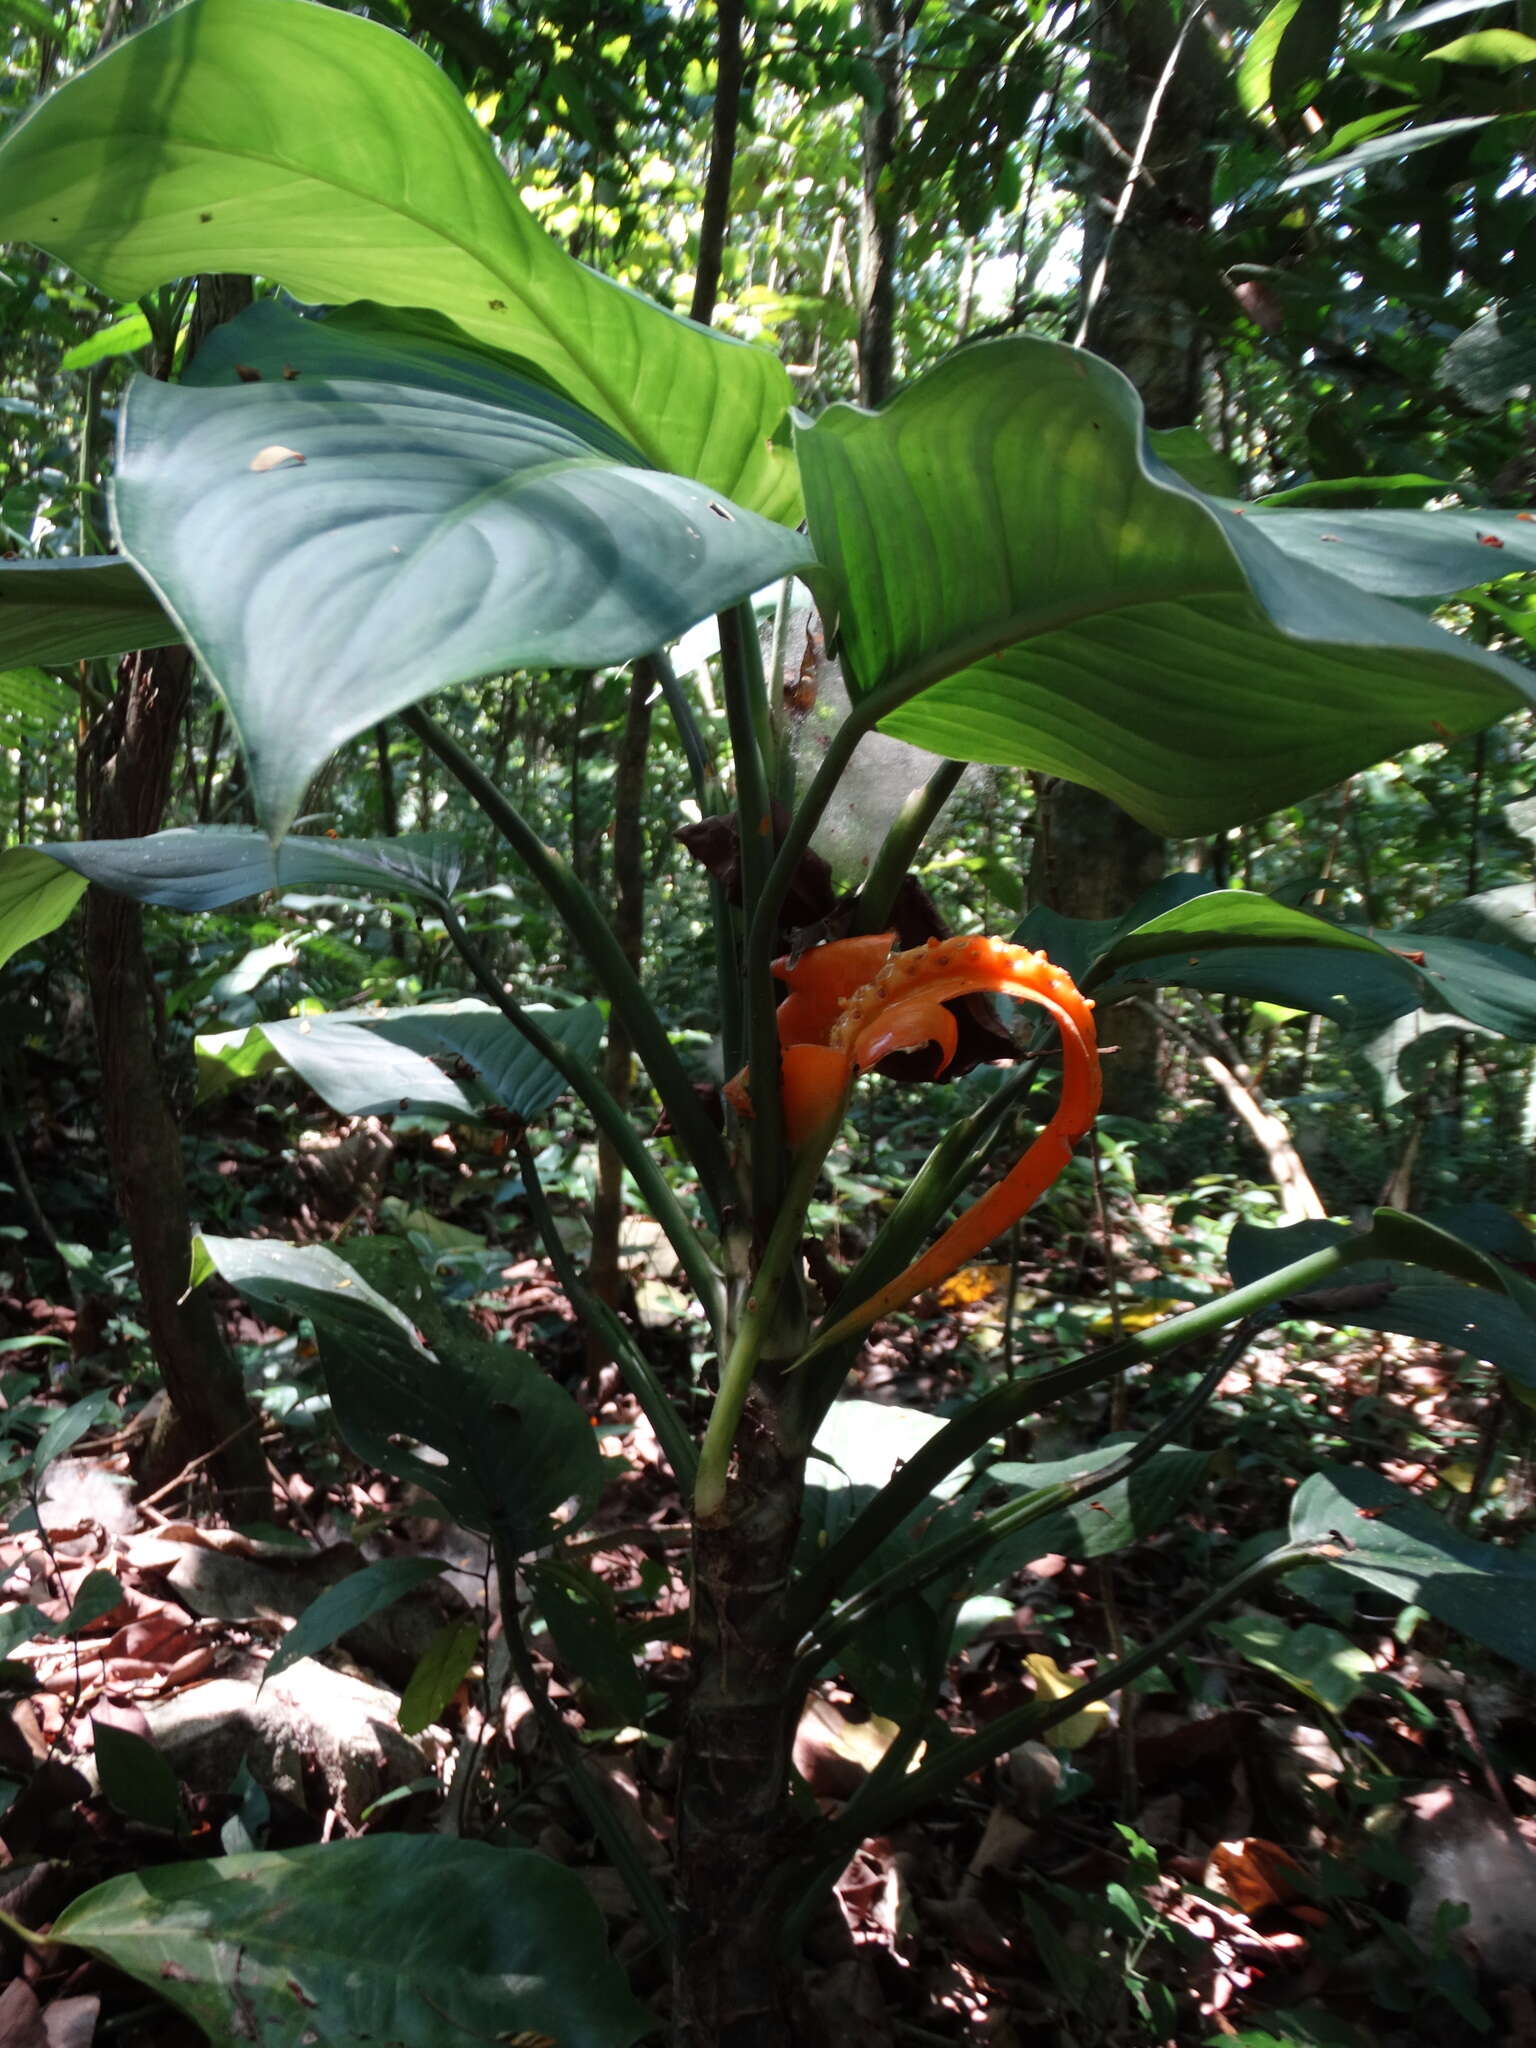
(735, 1820)
(715, 219)
(124, 773)
(603, 1275)
(1090, 859)
(879, 215)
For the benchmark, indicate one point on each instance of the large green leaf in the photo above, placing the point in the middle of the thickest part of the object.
(1391, 1541)
(1323, 1665)
(33, 701)
(1117, 1515)
(380, 1063)
(208, 866)
(417, 1392)
(36, 896)
(1221, 921)
(76, 609)
(1382, 149)
(390, 1939)
(1023, 583)
(1404, 554)
(1231, 942)
(1394, 1296)
(337, 545)
(1383, 985)
(1497, 917)
(326, 152)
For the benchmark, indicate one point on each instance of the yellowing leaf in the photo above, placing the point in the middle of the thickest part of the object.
(1143, 1317)
(972, 1284)
(1052, 1683)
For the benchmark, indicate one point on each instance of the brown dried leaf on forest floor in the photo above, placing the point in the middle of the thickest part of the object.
(1253, 1873)
(874, 1897)
(21, 2017)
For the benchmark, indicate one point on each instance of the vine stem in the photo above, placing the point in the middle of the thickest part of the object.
(907, 831)
(590, 929)
(671, 1431)
(631, 1148)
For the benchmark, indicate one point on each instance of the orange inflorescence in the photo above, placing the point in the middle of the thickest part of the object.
(853, 1002)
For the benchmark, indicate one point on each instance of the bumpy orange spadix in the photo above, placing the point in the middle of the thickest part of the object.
(852, 1003)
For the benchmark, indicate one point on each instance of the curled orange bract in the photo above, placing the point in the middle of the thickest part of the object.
(853, 1002)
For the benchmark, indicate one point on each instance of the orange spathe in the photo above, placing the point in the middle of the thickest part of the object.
(853, 1002)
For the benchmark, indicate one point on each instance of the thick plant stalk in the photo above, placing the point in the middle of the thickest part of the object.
(735, 1816)
(741, 672)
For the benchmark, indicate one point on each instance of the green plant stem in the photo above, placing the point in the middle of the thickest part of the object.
(701, 766)
(908, 829)
(757, 1319)
(807, 816)
(671, 1431)
(604, 1822)
(1011, 1401)
(28, 1936)
(873, 1815)
(741, 672)
(979, 1534)
(590, 929)
(631, 1147)
(778, 718)
(711, 801)
(946, 1169)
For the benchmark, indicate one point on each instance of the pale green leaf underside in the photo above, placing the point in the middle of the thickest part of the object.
(381, 1063)
(390, 1938)
(1405, 554)
(1023, 584)
(206, 867)
(453, 522)
(326, 152)
(32, 701)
